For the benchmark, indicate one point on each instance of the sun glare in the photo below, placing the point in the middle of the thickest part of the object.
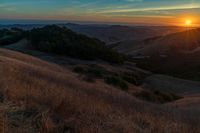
(188, 22)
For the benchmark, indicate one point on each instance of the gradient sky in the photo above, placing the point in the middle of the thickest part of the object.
(170, 12)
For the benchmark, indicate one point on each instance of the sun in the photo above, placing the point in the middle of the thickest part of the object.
(188, 22)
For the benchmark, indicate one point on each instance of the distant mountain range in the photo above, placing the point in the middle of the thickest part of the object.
(110, 33)
(181, 42)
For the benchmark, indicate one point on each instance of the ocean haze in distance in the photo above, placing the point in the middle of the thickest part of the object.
(49, 22)
(18, 21)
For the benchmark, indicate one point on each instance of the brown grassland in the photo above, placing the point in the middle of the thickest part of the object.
(41, 97)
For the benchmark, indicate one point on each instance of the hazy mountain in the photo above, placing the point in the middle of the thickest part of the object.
(117, 33)
(181, 42)
(109, 33)
(176, 54)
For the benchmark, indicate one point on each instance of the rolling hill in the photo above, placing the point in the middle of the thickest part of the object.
(186, 42)
(117, 33)
(41, 96)
(109, 33)
(56, 91)
(175, 54)
(62, 41)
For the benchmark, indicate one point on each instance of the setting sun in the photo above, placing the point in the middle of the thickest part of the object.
(188, 22)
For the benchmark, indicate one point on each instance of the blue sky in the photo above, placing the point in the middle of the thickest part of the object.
(126, 11)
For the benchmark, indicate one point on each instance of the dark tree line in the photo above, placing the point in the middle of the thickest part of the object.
(62, 41)
(10, 36)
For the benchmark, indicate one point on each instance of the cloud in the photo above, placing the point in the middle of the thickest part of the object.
(177, 7)
(7, 7)
(89, 4)
(133, 0)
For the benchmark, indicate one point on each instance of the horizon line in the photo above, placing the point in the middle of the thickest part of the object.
(21, 21)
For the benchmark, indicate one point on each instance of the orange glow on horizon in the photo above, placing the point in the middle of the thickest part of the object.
(188, 22)
(191, 21)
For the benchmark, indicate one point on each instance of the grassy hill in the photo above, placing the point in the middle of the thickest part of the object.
(172, 43)
(185, 66)
(37, 96)
(175, 54)
(77, 84)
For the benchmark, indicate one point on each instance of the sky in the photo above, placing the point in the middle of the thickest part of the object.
(155, 12)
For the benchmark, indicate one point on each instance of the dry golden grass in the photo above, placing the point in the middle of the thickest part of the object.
(43, 97)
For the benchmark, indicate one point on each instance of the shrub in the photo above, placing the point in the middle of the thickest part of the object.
(94, 71)
(97, 71)
(79, 69)
(157, 96)
(90, 73)
(116, 81)
(168, 97)
(132, 78)
(88, 78)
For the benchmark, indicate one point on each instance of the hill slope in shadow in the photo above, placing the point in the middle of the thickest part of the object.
(186, 41)
(40, 96)
(175, 54)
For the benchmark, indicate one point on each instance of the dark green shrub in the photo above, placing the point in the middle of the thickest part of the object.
(90, 73)
(88, 78)
(157, 96)
(79, 69)
(117, 81)
(132, 78)
(166, 97)
(95, 71)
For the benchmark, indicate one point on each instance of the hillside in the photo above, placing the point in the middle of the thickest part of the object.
(186, 41)
(61, 90)
(63, 41)
(59, 40)
(40, 96)
(175, 54)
